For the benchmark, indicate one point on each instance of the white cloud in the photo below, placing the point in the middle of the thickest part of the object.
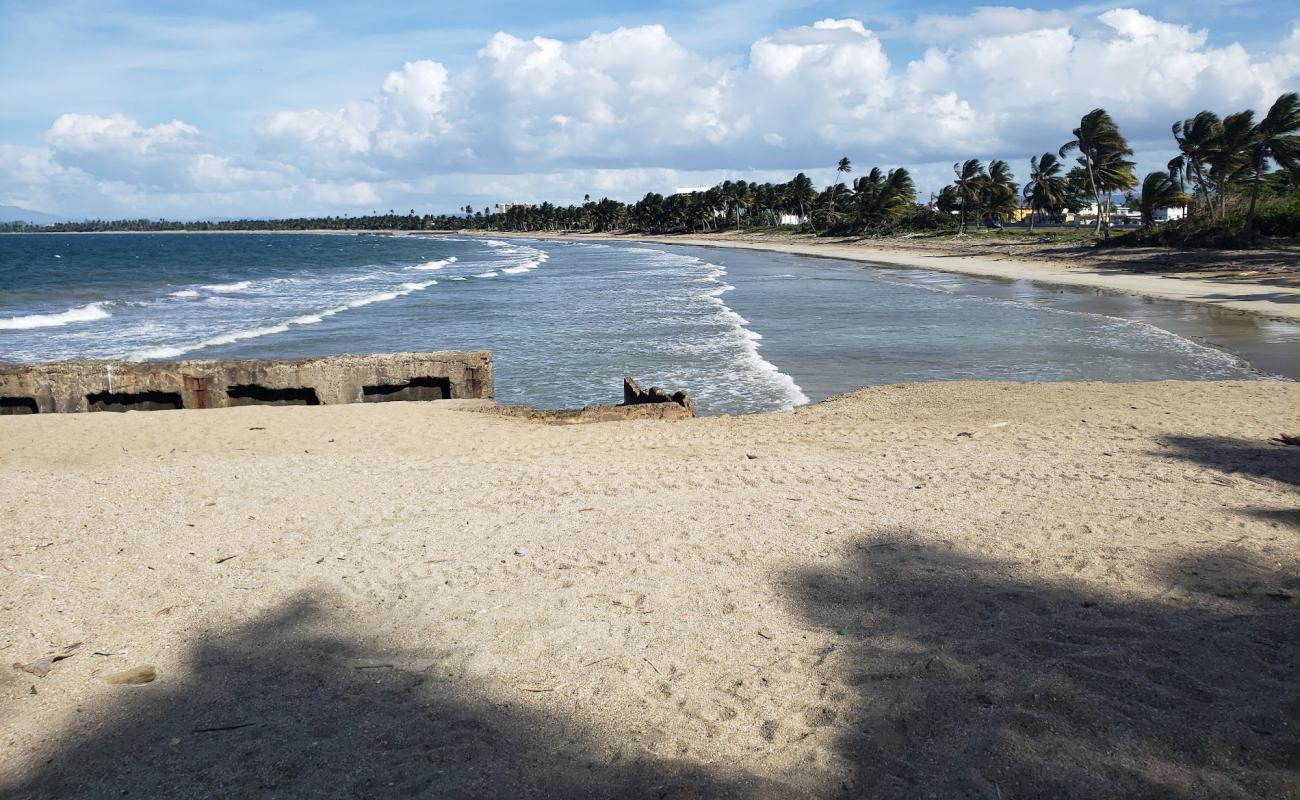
(119, 135)
(633, 104)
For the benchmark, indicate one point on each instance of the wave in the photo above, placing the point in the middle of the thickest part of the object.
(748, 340)
(86, 313)
(238, 286)
(267, 330)
(435, 264)
(184, 293)
(486, 275)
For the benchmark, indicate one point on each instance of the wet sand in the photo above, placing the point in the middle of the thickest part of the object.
(956, 589)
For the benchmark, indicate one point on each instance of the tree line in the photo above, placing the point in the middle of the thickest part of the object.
(1222, 163)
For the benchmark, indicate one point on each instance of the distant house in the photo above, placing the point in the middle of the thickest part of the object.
(692, 190)
(504, 207)
(1125, 216)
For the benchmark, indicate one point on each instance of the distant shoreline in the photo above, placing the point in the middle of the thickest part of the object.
(1242, 294)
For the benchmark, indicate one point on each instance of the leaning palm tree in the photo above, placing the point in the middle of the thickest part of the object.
(881, 198)
(1047, 187)
(999, 190)
(969, 175)
(1114, 173)
(1228, 156)
(1195, 137)
(843, 168)
(1097, 138)
(1159, 191)
(1276, 138)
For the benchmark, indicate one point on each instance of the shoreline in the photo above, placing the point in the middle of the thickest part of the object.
(1246, 296)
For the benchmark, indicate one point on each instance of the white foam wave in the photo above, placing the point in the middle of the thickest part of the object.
(238, 286)
(428, 265)
(267, 330)
(486, 275)
(184, 293)
(748, 340)
(86, 313)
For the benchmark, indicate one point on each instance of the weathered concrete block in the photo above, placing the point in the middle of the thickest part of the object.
(74, 386)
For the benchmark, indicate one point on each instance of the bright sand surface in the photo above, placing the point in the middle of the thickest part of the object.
(938, 590)
(1266, 297)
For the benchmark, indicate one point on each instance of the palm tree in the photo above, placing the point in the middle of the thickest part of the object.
(1159, 191)
(999, 190)
(881, 198)
(1097, 138)
(1195, 137)
(969, 175)
(802, 193)
(1228, 159)
(1113, 173)
(1047, 187)
(1276, 138)
(843, 168)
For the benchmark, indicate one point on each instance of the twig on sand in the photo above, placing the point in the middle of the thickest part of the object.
(597, 661)
(224, 728)
(224, 559)
(652, 666)
(538, 688)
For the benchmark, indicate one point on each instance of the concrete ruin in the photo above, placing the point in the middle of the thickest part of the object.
(75, 386)
(653, 404)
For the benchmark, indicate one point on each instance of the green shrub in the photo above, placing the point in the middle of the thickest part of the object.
(1280, 218)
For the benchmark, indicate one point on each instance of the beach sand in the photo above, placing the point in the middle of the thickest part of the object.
(1265, 282)
(938, 590)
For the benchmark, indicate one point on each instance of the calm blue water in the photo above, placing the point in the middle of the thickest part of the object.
(744, 331)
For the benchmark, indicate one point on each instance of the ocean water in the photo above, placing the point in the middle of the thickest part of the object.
(743, 331)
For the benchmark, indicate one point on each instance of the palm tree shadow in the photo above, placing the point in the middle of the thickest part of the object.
(287, 706)
(968, 680)
(1246, 456)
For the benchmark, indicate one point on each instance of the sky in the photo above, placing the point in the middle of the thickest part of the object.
(187, 110)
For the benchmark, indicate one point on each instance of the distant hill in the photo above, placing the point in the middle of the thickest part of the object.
(18, 214)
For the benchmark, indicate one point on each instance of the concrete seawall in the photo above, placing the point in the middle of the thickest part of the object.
(76, 386)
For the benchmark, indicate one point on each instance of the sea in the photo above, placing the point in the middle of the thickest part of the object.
(744, 331)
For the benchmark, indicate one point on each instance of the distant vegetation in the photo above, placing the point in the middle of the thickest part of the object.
(1236, 177)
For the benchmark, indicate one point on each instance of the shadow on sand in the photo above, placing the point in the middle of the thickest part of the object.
(1261, 459)
(972, 681)
(959, 676)
(287, 707)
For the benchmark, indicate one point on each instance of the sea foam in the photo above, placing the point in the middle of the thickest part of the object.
(86, 313)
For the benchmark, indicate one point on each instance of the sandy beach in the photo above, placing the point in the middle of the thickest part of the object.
(937, 590)
(1258, 282)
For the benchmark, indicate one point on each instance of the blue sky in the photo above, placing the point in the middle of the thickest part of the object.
(195, 109)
